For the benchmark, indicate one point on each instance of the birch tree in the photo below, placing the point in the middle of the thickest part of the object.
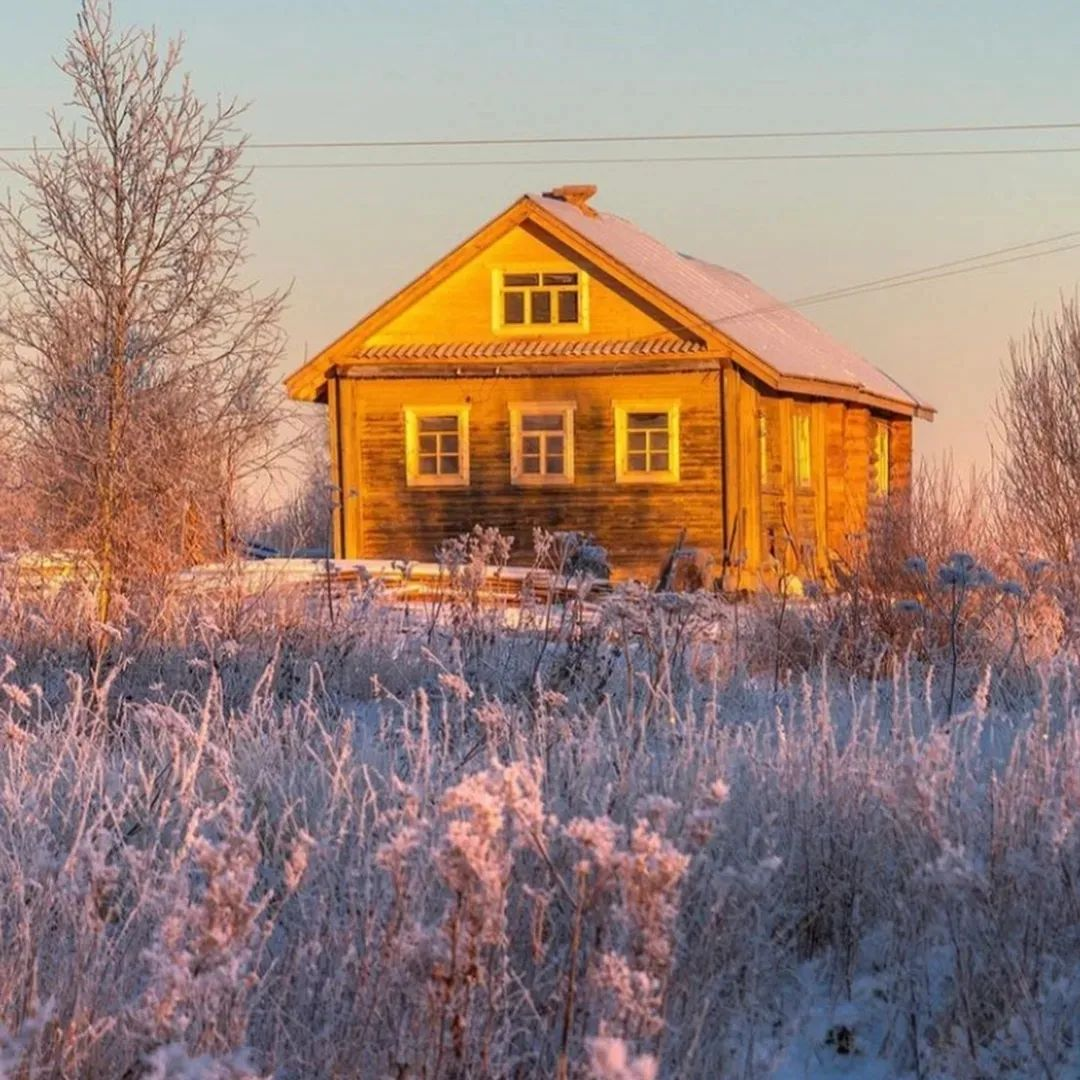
(1038, 414)
(141, 359)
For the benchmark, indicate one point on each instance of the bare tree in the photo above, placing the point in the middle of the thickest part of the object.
(141, 361)
(1038, 414)
(302, 521)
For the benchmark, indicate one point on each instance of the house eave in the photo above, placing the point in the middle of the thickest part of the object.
(528, 369)
(376, 369)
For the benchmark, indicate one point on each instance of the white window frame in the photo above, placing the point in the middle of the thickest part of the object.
(518, 476)
(622, 409)
(528, 329)
(413, 476)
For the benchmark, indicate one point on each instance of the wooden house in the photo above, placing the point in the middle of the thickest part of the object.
(561, 368)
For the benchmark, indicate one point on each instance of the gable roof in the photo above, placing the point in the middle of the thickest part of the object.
(729, 302)
(711, 299)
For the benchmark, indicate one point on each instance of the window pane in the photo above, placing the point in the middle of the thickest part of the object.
(658, 461)
(802, 450)
(881, 459)
(555, 444)
(513, 308)
(647, 420)
(428, 465)
(438, 423)
(763, 448)
(530, 464)
(636, 462)
(659, 440)
(554, 464)
(429, 444)
(542, 422)
(521, 280)
(448, 464)
(560, 279)
(530, 444)
(636, 440)
(449, 444)
(568, 307)
(541, 307)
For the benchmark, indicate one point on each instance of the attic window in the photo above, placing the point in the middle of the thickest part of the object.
(541, 299)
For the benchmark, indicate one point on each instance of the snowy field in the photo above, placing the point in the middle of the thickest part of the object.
(656, 835)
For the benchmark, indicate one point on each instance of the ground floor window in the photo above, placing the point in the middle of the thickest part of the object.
(646, 441)
(542, 443)
(437, 445)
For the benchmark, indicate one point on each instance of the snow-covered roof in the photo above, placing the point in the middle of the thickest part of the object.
(729, 302)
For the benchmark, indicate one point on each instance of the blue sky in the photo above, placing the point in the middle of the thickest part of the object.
(346, 70)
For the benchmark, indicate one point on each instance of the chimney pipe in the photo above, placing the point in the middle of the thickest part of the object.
(576, 195)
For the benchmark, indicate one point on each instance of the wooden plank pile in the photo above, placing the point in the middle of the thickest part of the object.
(422, 582)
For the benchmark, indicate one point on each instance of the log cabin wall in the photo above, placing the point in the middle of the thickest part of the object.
(637, 522)
(771, 483)
(837, 518)
(801, 475)
(768, 524)
(900, 457)
(778, 483)
(333, 424)
(856, 492)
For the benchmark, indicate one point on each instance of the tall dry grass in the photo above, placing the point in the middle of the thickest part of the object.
(651, 835)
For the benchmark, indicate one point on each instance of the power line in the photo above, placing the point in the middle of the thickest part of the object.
(985, 260)
(672, 160)
(646, 160)
(678, 137)
(657, 137)
(669, 160)
(933, 272)
(902, 279)
(934, 277)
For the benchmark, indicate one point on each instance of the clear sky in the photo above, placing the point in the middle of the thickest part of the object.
(375, 70)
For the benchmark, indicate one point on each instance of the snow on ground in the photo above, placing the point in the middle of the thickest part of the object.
(385, 842)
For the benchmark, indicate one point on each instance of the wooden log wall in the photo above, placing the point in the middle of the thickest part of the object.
(637, 522)
(805, 530)
(766, 524)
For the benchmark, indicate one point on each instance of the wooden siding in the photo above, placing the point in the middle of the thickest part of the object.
(741, 468)
(900, 455)
(350, 436)
(774, 546)
(756, 527)
(776, 527)
(857, 445)
(637, 522)
(765, 528)
(460, 308)
(333, 424)
(837, 524)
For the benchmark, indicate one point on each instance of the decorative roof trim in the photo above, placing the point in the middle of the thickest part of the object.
(528, 347)
(518, 369)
